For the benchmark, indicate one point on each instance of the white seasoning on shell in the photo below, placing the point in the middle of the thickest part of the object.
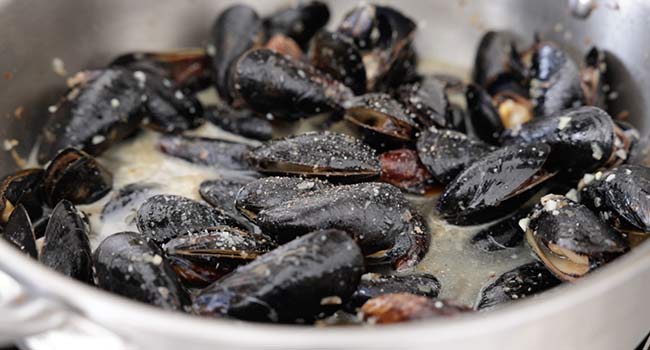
(597, 202)
(305, 185)
(164, 292)
(550, 205)
(523, 223)
(597, 152)
(59, 67)
(628, 172)
(610, 177)
(572, 195)
(52, 109)
(598, 175)
(621, 154)
(563, 122)
(140, 77)
(179, 95)
(588, 178)
(115, 103)
(156, 260)
(97, 139)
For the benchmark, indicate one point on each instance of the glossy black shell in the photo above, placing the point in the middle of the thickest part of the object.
(373, 285)
(206, 151)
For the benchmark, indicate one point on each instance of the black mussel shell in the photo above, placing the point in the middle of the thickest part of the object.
(381, 114)
(494, 185)
(555, 83)
(496, 56)
(188, 68)
(405, 307)
(270, 83)
(338, 56)
(501, 235)
(325, 154)
(402, 168)
(168, 108)
(377, 215)
(103, 108)
(216, 249)
(20, 233)
(130, 265)
(237, 29)
(359, 25)
(77, 177)
(299, 22)
(570, 239)
(127, 200)
(485, 119)
(373, 285)
(271, 191)
(23, 187)
(581, 139)
(222, 193)
(621, 196)
(294, 283)
(445, 153)
(163, 217)
(427, 102)
(240, 122)
(206, 151)
(66, 248)
(519, 283)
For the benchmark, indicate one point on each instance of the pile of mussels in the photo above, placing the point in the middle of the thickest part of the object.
(326, 226)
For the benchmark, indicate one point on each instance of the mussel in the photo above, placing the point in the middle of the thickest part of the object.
(445, 153)
(427, 102)
(504, 234)
(77, 177)
(337, 55)
(402, 168)
(222, 192)
(130, 265)
(215, 250)
(621, 196)
(299, 22)
(497, 58)
(324, 154)
(569, 238)
(163, 217)
(20, 232)
(270, 83)
(380, 114)
(373, 285)
(485, 120)
(66, 248)
(272, 191)
(23, 187)
(377, 215)
(519, 283)
(237, 29)
(581, 139)
(105, 106)
(404, 307)
(240, 122)
(294, 283)
(495, 185)
(206, 151)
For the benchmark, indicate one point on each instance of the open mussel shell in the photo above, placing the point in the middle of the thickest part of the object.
(373, 285)
(77, 177)
(270, 83)
(23, 187)
(20, 233)
(495, 185)
(502, 235)
(164, 217)
(445, 153)
(496, 56)
(216, 249)
(569, 238)
(519, 283)
(337, 55)
(324, 154)
(295, 283)
(236, 30)
(426, 101)
(377, 215)
(514, 109)
(581, 139)
(130, 265)
(240, 122)
(105, 106)
(66, 248)
(402, 168)
(621, 196)
(484, 118)
(381, 114)
(206, 151)
(299, 22)
(555, 82)
(271, 191)
(405, 307)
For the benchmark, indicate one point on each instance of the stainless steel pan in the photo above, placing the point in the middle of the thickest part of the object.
(608, 310)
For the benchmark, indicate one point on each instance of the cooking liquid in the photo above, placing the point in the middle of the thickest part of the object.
(462, 269)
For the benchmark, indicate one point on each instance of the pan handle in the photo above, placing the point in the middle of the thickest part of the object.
(24, 314)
